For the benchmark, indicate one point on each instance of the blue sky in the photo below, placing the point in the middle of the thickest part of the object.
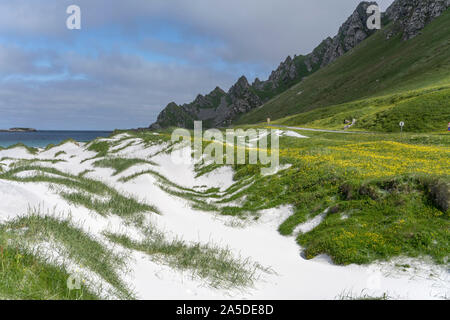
(131, 58)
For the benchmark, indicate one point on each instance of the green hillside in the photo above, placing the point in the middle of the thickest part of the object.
(422, 110)
(380, 82)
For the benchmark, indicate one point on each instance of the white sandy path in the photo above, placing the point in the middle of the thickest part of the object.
(183, 173)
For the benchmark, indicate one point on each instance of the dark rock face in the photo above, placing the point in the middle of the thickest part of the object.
(287, 71)
(350, 34)
(411, 16)
(173, 115)
(219, 109)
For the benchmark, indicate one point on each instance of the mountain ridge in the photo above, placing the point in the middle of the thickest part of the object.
(408, 17)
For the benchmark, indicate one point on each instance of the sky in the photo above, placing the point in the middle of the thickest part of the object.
(131, 58)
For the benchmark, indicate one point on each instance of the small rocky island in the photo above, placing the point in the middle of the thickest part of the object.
(19, 130)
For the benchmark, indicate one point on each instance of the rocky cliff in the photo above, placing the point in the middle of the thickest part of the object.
(219, 108)
(411, 16)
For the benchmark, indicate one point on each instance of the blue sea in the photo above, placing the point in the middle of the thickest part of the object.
(41, 139)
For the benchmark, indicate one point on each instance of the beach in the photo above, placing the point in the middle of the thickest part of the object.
(278, 270)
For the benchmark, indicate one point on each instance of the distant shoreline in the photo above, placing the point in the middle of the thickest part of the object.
(18, 130)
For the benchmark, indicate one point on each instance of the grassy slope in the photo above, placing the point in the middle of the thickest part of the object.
(422, 110)
(387, 194)
(377, 67)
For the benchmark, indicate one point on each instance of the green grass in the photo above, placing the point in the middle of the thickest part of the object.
(80, 247)
(385, 218)
(120, 164)
(348, 295)
(215, 265)
(26, 162)
(100, 147)
(84, 191)
(377, 67)
(27, 273)
(60, 153)
(21, 145)
(27, 277)
(422, 111)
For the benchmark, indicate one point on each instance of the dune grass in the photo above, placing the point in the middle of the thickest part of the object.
(30, 150)
(211, 263)
(60, 153)
(83, 191)
(82, 249)
(101, 147)
(24, 276)
(120, 164)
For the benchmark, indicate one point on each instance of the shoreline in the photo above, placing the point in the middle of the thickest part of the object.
(12, 130)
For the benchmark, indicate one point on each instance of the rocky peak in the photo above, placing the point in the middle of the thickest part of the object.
(242, 82)
(241, 92)
(286, 72)
(199, 99)
(258, 84)
(172, 105)
(411, 16)
(218, 90)
(240, 87)
(350, 34)
(355, 30)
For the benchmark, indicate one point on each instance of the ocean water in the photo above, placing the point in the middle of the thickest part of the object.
(41, 139)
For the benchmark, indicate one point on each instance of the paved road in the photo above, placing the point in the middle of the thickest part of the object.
(318, 130)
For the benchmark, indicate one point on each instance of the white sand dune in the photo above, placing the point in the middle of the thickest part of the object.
(293, 278)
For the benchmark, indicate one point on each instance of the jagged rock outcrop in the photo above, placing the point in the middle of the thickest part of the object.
(173, 115)
(411, 16)
(287, 71)
(350, 34)
(218, 109)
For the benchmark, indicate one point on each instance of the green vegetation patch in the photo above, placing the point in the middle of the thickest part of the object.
(120, 164)
(30, 150)
(28, 274)
(382, 219)
(86, 191)
(25, 276)
(60, 153)
(208, 262)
